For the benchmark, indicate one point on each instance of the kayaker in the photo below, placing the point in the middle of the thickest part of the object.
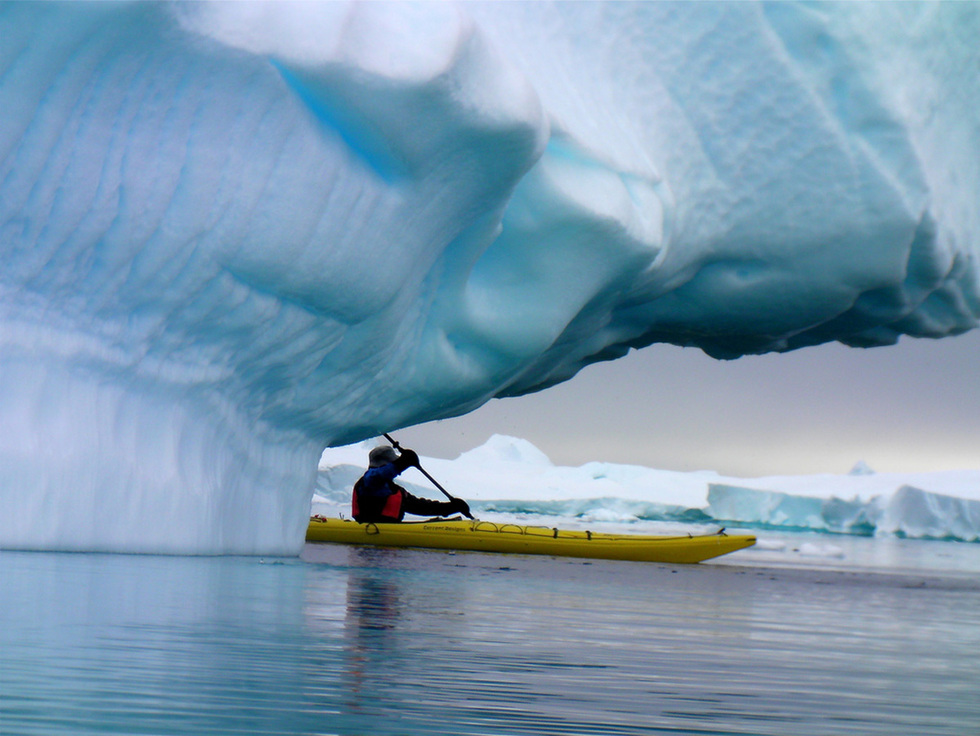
(377, 498)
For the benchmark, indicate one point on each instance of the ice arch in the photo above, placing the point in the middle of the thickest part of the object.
(234, 233)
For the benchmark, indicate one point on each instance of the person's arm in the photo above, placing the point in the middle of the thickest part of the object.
(407, 459)
(427, 507)
(375, 479)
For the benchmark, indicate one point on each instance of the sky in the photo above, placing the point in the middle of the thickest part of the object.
(911, 407)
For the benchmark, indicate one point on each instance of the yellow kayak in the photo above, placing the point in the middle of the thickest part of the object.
(487, 536)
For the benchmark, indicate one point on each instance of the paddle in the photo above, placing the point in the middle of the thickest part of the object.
(394, 443)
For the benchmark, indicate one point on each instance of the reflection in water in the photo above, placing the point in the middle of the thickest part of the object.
(373, 609)
(372, 601)
(139, 644)
(368, 642)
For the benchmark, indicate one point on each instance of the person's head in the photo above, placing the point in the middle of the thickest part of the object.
(381, 456)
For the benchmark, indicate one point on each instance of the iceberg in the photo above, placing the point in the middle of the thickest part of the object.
(235, 233)
(511, 480)
(907, 512)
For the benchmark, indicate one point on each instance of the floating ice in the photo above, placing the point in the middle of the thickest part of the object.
(233, 234)
(907, 511)
(913, 512)
(535, 491)
(809, 549)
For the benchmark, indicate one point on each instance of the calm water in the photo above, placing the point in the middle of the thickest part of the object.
(356, 641)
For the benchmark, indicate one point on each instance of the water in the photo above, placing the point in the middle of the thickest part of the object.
(361, 642)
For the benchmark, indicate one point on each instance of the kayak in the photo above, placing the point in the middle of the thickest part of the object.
(488, 536)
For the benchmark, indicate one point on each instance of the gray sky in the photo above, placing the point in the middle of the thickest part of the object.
(910, 407)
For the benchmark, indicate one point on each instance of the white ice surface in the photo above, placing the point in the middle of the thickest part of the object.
(509, 476)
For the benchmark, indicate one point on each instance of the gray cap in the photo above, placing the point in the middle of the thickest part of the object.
(381, 456)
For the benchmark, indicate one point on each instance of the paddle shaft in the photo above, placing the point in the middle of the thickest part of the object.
(433, 481)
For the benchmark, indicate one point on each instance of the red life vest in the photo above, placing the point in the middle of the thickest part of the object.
(392, 509)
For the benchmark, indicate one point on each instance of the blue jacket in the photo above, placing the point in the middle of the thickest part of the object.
(376, 498)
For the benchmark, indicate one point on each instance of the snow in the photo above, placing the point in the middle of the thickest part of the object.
(233, 234)
(510, 478)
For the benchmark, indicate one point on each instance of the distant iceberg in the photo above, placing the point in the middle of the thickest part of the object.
(510, 477)
(908, 512)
